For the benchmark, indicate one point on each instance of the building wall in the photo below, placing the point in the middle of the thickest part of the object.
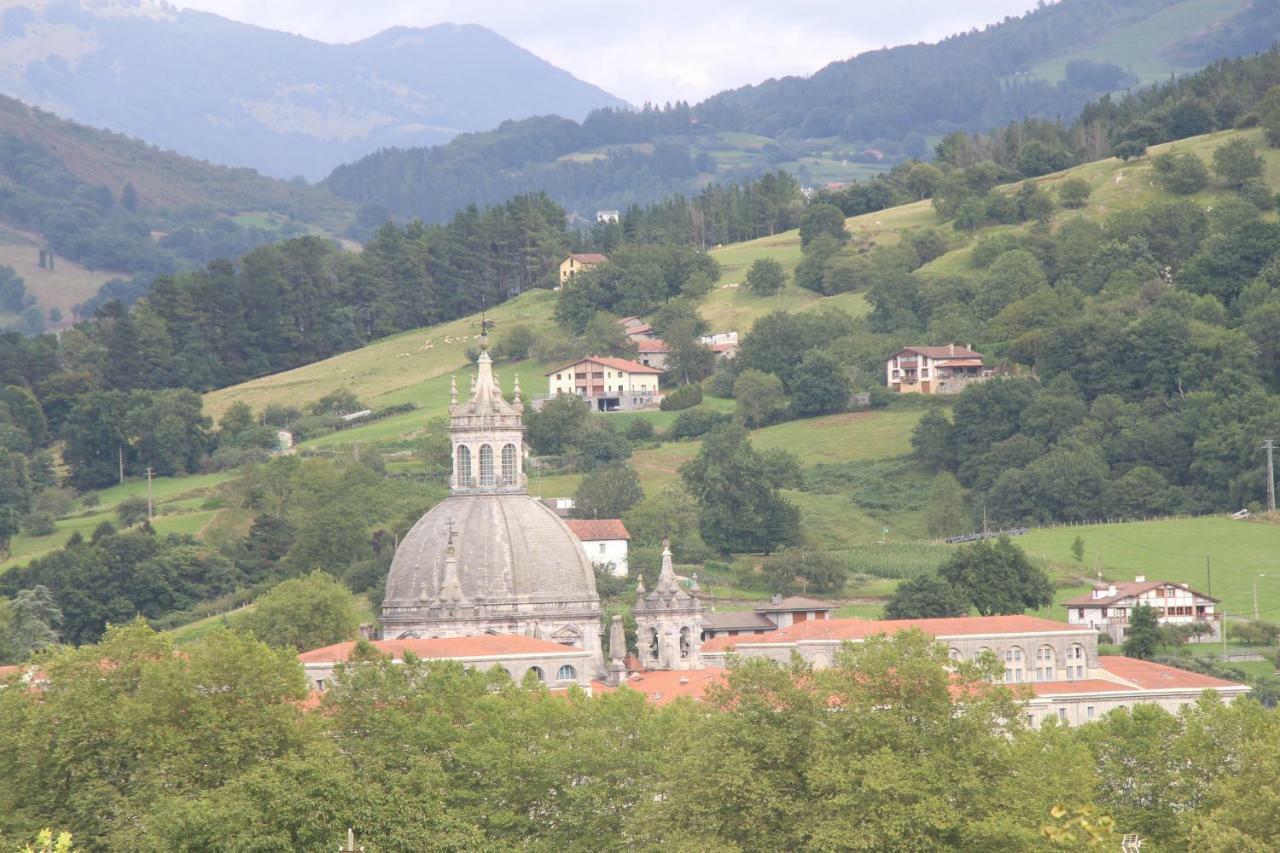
(1078, 709)
(608, 551)
(320, 675)
(570, 267)
(1116, 621)
(610, 379)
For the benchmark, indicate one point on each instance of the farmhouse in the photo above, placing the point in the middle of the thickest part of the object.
(604, 541)
(778, 613)
(934, 370)
(1107, 607)
(608, 384)
(574, 264)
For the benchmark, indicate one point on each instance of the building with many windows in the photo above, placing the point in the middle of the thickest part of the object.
(1107, 608)
(608, 384)
(934, 370)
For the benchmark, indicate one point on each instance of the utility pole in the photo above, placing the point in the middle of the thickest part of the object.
(120, 456)
(1269, 445)
(150, 505)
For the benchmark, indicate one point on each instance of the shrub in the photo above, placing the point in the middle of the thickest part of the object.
(721, 383)
(1181, 173)
(684, 397)
(1253, 633)
(39, 524)
(694, 423)
(639, 430)
(1073, 193)
(130, 511)
(765, 277)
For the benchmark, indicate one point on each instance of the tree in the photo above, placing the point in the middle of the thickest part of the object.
(33, 621)
(1237, 162)
(737, 490)
(607, 492)
(1077, 549)
(997, 577)
(795, 570)
(10, 525)
(1144, 632)
(820, 385)
(304, 613)
(822, 220)
(926, 597)
(688, 359)
(760, 399)
(668, 515)
(554, 427)
(765, 277)
(947, 512)
(1183, 174)
(1074, 193)
(132, 511)
(932, 441)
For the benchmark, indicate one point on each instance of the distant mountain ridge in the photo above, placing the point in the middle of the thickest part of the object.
(241, 95)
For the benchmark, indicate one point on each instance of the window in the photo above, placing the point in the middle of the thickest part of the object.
(954, 654)
(566, 673)
(538, 673)
(1075, 662)
(509, 464)
(486, 465)
(1046, 665)
(1013, 665)
(1088, 711)
(464, 465)
(653, 643)
(320, 684)
(1062, 714)
(977, 656)
(685, 645)
(557, 376)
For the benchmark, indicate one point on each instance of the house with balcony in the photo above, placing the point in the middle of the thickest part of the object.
(1107, 607)
(607, 384)
(934, 370)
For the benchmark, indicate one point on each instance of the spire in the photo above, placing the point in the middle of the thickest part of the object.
(515, 391)
(451, 594)
(667, 582)
(617, 639)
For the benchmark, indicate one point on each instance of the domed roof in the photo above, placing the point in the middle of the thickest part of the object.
(510, 549)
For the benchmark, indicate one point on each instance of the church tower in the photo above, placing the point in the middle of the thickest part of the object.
(669, 622)
(487, 434)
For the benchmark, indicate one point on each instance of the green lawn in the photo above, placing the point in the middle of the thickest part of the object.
(1175, 550)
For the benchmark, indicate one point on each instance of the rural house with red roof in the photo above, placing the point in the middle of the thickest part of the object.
(1107, 608)
(607, 384)
(934, 370)
(605, 541)
(574, 264)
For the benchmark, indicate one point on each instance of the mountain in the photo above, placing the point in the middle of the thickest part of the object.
(286, 105)
(853, 119)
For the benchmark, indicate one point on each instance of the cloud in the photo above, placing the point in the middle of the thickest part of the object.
(663, 50)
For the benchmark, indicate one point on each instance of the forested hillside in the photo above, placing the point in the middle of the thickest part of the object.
(233, 93)
(852, 119)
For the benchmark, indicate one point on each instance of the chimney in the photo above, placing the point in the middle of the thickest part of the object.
(1139, 578)
(777, 598)
(951, 349)
(1111, 590)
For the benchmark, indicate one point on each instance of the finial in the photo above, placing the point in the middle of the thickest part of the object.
(693, 587)
(640, 586)
(453, 390)
(617, 639)
(515, 390)
(472, 391)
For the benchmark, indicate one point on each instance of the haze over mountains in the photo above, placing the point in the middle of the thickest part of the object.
(241, 95)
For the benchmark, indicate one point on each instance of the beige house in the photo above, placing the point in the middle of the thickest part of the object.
(608, 384)
(575, 264)
(934, 370)
(1057, 665)
(1107, 607)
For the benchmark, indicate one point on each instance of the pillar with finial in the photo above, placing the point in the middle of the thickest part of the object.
(350, 846)
(617, 651)
(453, 390)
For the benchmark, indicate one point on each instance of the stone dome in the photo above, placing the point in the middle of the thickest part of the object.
(512, 553)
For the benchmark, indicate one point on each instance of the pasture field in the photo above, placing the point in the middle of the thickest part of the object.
(65, 286)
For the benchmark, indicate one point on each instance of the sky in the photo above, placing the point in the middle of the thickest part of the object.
(659, 50)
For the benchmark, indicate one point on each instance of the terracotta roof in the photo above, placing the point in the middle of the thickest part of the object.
(638, 328)
(595, 529)
(1155, 676)
(6, 671)
(589, 258)
(942, 352)
(651, 345)
(444, 648)
(616, 363)
(662, 687)
(1084, 685)
(742, 620)
(860, 629)
(1126, 589)
(795, 602)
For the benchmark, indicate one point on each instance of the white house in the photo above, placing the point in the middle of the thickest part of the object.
(608, 384)
(604, 540)
(934, 370)
(1107, 607)
(606, 216)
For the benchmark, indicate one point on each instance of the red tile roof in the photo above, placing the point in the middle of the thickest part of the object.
(444, 648)
(1084, 685)
(1126, 589)
(860, 629)
(589, 258)
(1155, 676)
(6, 671)
(651, 345)
(942, 352)
(616, 363)
(795, 602)
(595, 529)
(661, 687)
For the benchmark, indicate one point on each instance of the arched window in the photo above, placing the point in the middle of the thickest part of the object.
(464, 465)
(538, 673)
(1014, 661)
(653, 643)
(1046, 664)
(685, 646)
(486, 465)
(509, 464)
(1075, 662)
(977, 656)
(566, 673)
(954, 654)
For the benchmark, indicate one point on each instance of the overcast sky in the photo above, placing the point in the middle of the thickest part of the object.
(659, 50)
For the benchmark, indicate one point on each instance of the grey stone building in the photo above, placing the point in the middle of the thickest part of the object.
(669, 622)
(489, 559)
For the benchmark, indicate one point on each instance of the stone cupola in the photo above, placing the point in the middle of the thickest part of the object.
(487, 435)
(668, 622)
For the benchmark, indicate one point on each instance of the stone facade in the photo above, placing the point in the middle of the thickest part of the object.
(669, 622)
